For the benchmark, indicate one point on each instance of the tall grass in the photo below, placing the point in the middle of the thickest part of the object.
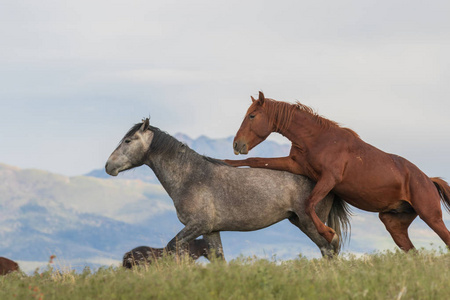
(387, 275)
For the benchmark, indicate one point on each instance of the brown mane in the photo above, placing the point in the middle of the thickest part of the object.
(340, 162)
(280, 114)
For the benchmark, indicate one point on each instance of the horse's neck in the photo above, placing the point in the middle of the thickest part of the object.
(167, 170)
(304, 130)
(173, 171)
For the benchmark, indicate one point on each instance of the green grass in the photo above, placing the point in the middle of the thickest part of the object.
(386, 275)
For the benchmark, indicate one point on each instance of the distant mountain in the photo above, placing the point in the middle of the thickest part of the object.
(217, 148)
(79, 218)
(92, 221)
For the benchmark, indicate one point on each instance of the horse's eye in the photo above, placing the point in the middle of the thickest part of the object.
(127, 141)
(251, 117)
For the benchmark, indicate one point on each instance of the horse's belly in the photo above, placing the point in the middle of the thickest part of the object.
(373, 188)
(364, 205)
(251, 222)
(375, 197)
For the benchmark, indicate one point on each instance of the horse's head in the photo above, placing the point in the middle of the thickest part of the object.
(255, 128)
(132, 150)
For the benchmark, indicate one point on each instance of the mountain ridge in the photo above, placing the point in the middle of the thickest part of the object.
(218, 148)
(90, 220)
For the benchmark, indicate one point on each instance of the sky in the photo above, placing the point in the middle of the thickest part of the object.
(76, 75)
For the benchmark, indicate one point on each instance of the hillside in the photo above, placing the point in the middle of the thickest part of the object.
(79, 219)
(91, 221)
(86, 220)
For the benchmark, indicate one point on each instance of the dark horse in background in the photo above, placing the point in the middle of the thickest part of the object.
(211, 196)
(339, 161)
(7, 266)
(144, 255)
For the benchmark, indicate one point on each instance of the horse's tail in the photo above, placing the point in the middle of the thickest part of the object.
(339, 220)
(444, 191)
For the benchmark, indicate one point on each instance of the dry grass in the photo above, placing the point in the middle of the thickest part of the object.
(386, 275)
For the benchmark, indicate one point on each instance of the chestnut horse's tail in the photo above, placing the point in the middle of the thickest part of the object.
(444, 191)
(339, 219)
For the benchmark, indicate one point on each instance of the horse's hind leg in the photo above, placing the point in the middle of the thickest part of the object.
(310, 230)
(303, 222)
(432, 215)
(214, 243)
(430, 211)
(437, 224)
(397, 224)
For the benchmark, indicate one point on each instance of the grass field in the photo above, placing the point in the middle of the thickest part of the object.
(387, 275)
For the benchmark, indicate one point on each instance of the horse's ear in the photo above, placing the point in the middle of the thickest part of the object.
(145, 124)
(253, 99)
(261, 98)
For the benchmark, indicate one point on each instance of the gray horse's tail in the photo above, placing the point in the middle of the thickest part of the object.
(339, 220)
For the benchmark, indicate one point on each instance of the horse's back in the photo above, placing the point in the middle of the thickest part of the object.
(264, 182)
(252, 198)
(382, 179)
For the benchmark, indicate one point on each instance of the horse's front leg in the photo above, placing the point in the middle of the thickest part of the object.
(187, 234)
(275, 163)
(324, 185)
(214, 243)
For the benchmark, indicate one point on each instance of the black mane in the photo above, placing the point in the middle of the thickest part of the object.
(164, 143)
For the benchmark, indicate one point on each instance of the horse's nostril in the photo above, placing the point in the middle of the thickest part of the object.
(235, 145)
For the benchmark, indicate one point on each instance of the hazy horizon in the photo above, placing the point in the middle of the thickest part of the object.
(76, 75)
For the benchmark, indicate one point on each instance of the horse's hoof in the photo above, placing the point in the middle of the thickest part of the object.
(327, 252)
(335, 243)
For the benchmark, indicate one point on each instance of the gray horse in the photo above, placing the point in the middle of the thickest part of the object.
(210, 196)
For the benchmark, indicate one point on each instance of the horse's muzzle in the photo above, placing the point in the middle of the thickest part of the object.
(111, 171)
(240, 148)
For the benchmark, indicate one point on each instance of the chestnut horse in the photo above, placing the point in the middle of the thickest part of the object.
(339, 161)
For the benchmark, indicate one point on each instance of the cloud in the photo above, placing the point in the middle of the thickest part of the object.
(163, 76)
(379, 67)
